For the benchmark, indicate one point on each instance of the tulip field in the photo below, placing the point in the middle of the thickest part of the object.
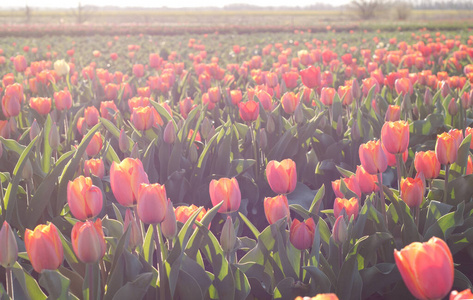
(281, 165)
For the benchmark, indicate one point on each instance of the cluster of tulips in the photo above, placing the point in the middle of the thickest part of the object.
(140, 171)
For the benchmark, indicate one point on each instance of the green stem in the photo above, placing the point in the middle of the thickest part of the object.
(447, 173)
(398, 168)
(302, 265)
(417, 215)
(9, 283)
(255, 149)
(157, 239)
(90, 273)
(382, 201)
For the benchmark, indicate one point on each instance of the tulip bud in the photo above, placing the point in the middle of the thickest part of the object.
(299, 114)
(428, 98)
(270, 125)
(228, 236)
(8, 246)
(340, 125)
(123, 142)
(263, 139)
(276, 208)
(205, 128)
(1, 149)
(211, 133)
(13, 125)
(301, 234)
(453, 107)
(135, 233)
(355, 131)
(27, 172)
(169, 133)
(356, 90)
(34, 130)
(465, 100)
(445, 88)
(169, 224)
(193, 155)
(340, 230)
(135, 151)
(54, 137)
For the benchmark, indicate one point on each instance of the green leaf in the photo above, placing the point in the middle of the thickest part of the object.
(349, 282)
(115, 132)
(435, 211)
(250, 225)
(13, 145)
(56, 284)
(320, 284)
(459, 166)
(135, 289)
(238, 166)
(12, 189)
(285, 289)
(28, 284)
(444, 226)
(242, 285)
(377, 278)
(47, 150)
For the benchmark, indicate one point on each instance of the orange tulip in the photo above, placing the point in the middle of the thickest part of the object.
(395, 136)
(466, 294)
(62, 100)
(11, 101)
(276, 208)
(351, 183)
(105, 107)
(44, 247)
(372, 157)
(236, 96)
(403, 86)
(227, 190)
(94, 167)
(289, 102)
(185, 106)
(427, 164)
(265, 99)
(469, 166)
(249, 111)
(469, 131)
(88, 241)
(282, 176)
(366, 181)
(329, 296)
(95, 145)
(41, 104)
(8, 246)
(326, 96)
(290, 79)
(301, 234)
(84, 199)
(138, 70)
(20, 63)
(412, 191)
(393, 113)
(142, 118)
(125, 180)
(351, 207)
(446, 148)
(426, 268)
(152, 203)
(183, 213)
(392, 158)
(214, 94)
(311, 77)
(111, 91)
(91, 115)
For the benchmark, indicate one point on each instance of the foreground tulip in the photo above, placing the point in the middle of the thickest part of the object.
(125, 180)
(282, 176)
(446, 148)
(88, 241)
(44, 247)
(466, 294)
(372, 157)
(8, 246)
(84, 199)
(276, 208)
(351, 207)
(395, 136)
(412, 191)
(12, 99)
(340, 230)
(249, 111)
(301, 234)
(152, 203)
(183, 213)
(426, 268)
(227, 190)
(427, 164)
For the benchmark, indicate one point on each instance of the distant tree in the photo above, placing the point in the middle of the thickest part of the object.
(366, 9)
(28, 13)
(403, 9)
(81, 14)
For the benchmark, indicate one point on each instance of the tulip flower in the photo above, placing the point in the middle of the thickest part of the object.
(61, 67)
(393, 113)
(290, 79)
(301, 234)
(183, 213)
(326, 96)
(88, 241)
(94, 167)
(125, 180)
(249, 111)
(91, 115)
(8, 246)
(446, 148)
(84, 199)
(20, 63)
(366, 181)
(142, 118)
(265, 99)
(138, 70)
(41, 104)
(395, 136)
(214, 94)
(427, 164)
(62, 100)
(236, 96)
(282, 176)
(44, 247)
(226, 190)
(152, 203)
(412, 191)
(311, 77)
(403, 86)
(105, 107)
(351, 183)
(329, 296)
(95, 145)
(276, 208)
(372, 157)
(465, 294)
(289, 102)
(351, 207)
(426, 268)
(12, 99)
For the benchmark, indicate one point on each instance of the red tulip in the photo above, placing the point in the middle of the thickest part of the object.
(249, 111)
(91, 115)
(105, 107)
(138, 70)
(95, 145)
(427, 164)
(20, 63)
(265, 99)
(169, 224)
(183, 213)
(125, 180)
(395, 136)
(11, 101)
(301, 234)
(403, 86)
(366, 181)
(326, 96)
(276, 208)
(226, 190)
(62, 100)
(152, 203)
(236, 96)
(214, 94)
(393, 113)
(412, 191)
(94, 167)
(282, 176)
(351, 207)
(372, 157)
(84, 199)
(290, 79)
(311, 77)
(44, 247)
(88, 241)
(422, 264)
(41, 104)
(351, 183)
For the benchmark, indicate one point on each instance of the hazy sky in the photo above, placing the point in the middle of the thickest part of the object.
(154, 3)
